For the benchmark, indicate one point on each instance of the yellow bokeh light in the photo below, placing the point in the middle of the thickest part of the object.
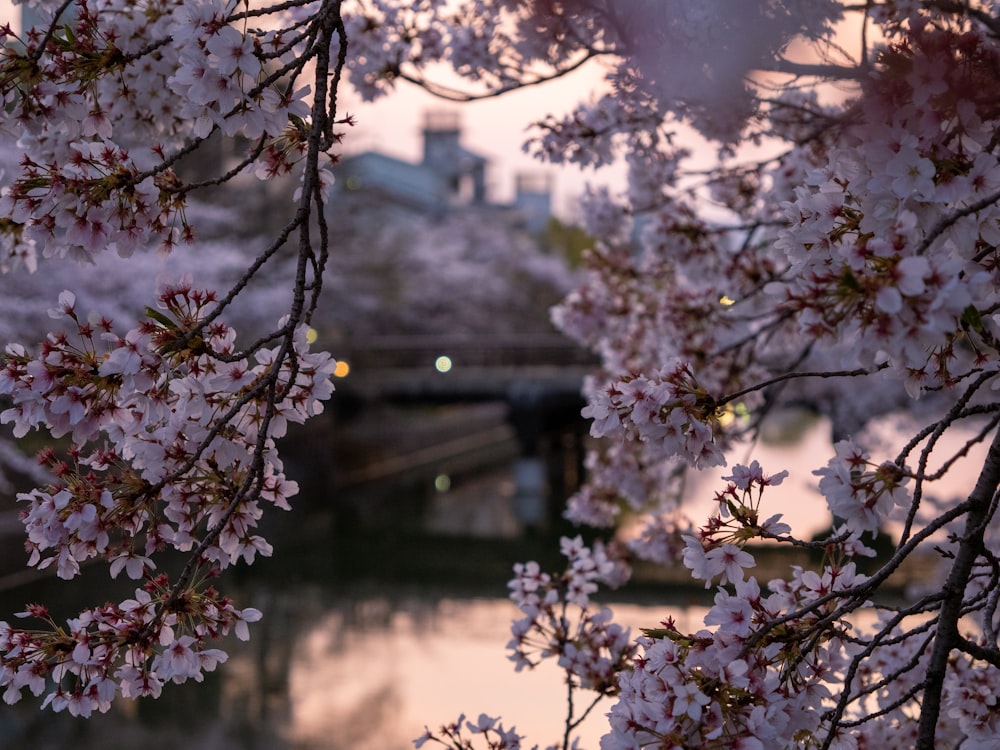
(726, 300)
(442, 483)
(311, 336)
(731, 412)
(341, 370)
(442, 363)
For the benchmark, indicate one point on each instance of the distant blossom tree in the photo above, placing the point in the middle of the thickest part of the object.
(855, 266)
(467, 274)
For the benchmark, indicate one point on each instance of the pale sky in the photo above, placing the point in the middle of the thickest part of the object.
(495, 128)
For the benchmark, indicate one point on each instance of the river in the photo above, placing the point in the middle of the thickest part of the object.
(375, 629)
(357, 651)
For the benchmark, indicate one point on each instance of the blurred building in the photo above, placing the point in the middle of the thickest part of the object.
(448, 178)
(533, 200)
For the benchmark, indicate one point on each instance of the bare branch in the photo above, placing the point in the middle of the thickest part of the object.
(796, 375)
(455, 95)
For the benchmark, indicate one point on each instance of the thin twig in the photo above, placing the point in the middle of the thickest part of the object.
(795, 375)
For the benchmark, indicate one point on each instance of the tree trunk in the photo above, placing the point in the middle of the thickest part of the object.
(970, 545)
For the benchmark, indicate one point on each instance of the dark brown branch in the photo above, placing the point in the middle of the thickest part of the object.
(980, 509)
(50, 32)
(253, 482)
(811, 70)
(877, 641)
(794, 375)
(973, 649)
(938, 430)
(948, 221)
(973, 441)
(268, 11)
(456, 95)
(856, 595)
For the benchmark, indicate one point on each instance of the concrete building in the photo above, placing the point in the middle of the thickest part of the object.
(448, 177)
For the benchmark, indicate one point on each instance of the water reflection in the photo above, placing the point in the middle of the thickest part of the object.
(358, 673)
(376, 689)
(369, 636)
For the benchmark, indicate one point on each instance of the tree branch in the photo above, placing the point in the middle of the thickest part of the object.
(456, 95)
(981, 506)
(948, 221)
(793, 375)
(973, 649)
(812, 70)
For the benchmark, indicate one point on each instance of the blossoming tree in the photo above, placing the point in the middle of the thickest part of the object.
(842, 250)
(172, 422)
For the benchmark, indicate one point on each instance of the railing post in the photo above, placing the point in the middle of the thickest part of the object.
(531, 485)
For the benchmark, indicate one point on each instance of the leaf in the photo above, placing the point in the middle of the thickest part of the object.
(160, 318)
(658, 633)
(848, 281)
(972, 318)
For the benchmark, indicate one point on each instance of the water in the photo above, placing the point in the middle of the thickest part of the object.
(361, 664)
(373, 631)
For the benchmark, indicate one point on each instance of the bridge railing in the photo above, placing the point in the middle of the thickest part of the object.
(513, 350)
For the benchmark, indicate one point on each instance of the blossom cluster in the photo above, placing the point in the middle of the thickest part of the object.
(175, 424)
(490, 728)
(167, 431)
(173, 435)
(717, 549)
(132, 648)
(737, 684)
(690, 691)
(106, 103)
(770, 667)
(743, 683)
(593, 649)
(667, 409)
(860, 493)
(890, 240)
(791, 665)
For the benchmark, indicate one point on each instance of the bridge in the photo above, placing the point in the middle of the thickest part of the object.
(456, 368)
(538, 376)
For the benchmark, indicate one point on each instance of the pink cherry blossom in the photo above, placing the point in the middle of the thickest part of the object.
(851, 268)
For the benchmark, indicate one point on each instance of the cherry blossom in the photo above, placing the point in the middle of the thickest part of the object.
(170, 424)
(840, 252)
(851, 268)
